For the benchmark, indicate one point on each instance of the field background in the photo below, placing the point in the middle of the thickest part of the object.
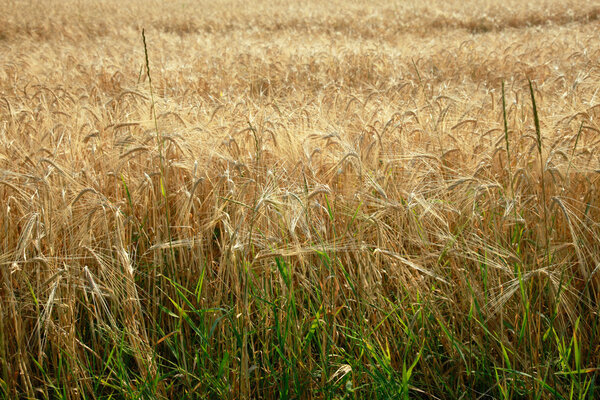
(318, 199)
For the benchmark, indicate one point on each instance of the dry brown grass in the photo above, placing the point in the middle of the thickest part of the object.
(334, 171)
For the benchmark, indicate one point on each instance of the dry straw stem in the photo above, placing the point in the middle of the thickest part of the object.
(327, 200)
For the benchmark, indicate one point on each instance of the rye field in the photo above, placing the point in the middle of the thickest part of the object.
(299, 200)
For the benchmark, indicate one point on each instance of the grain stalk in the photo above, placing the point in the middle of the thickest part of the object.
(538, 134)
(159, 137)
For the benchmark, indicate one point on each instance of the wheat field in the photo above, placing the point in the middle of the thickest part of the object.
(299, 200)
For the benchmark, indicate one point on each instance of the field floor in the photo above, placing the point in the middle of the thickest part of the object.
(299, 200)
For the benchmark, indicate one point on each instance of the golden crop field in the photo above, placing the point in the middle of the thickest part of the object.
(299, 200)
